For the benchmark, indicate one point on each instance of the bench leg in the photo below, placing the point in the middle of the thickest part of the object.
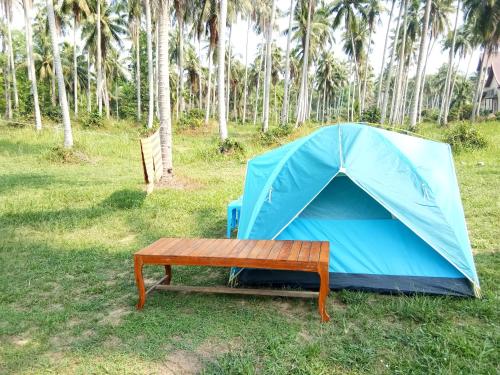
(139, 279)
(324, 289)
(168, 275)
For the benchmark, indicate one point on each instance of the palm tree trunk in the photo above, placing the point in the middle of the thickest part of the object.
(365, 73)
(269, 63)
(155, 75)
(235, 103)
(257, 93)
(324, 105)
(220, 70)
(180, 24)
(284, 112)
(200, 104)
(302, 101)
(424, 72)
(99, 59)
(31, 63)
(149, 43)
(402, 57)
(63, 102)
(8, 101)
(75, 69)
(89, 99)
(245, 85)
(209, 86)
(420, 71)
(381, 75)
(11, 57)
(228, 72)
(105, 93)
(138, 72)
(389, 69)
(357, 83)
(443, 114)
(164, 90)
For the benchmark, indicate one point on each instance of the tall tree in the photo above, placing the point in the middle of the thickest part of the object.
(382, 66)
(284, 111)
(181, 7)
(302, 101)
(418, 75)
(135, 11)
(99, 58)
(63, 101)
(269, 62)
(220, 70)
(7, 4)
(164, 89)
(149, 46)
(31, 62)
(245, 84)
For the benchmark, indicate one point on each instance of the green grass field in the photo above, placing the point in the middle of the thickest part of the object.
(67, 292)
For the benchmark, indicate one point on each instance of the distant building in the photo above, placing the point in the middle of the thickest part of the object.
(491, 93)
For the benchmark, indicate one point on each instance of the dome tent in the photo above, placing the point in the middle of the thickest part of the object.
(388, 204)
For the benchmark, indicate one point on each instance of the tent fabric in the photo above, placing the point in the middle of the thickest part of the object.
(388, 203)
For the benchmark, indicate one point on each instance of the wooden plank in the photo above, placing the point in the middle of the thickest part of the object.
(237, 248)
(315, 252)
(246, 250)
(275, 249)
(294, 253)
(285, 250)
(241, 291)
(304, 252)
(261, 247)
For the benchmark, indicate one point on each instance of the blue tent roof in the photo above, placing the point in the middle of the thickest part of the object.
(412, 178)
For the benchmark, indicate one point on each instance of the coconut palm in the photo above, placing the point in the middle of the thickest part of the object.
(27, 6)
(7, 10)
(350, 13)
(372, 10)
(267, 80)
(220, 70)
(484, 19)
(77, 9)
(284, 111)
(164, 89)
(134, 11)
(382, 66)
(149, 46)
(63, 102)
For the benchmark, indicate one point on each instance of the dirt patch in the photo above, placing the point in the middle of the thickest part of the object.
(127, 239)
(112, 342)
(181, 362)
(298, 308)
(177, 183)
(20, 340)
(115, 317)
(185, 362)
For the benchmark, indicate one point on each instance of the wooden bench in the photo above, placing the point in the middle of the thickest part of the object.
(311, 256)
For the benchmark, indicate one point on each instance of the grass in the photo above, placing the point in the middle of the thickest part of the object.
(67, 293)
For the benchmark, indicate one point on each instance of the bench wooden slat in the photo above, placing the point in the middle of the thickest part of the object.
(294, 253)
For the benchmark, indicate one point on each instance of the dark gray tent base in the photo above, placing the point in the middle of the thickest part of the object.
(373, 283)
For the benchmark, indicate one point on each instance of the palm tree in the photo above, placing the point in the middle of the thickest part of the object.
(149, 45)
(245, 84)
(7, 5)
(63, 102)
(382, 66)
(302, 101)
(31, 63)
(99, 57)
(181, 11)
(220, 76)
(164, 89)
(372, 11)
(350, 12)
(269, 62)
(418, 75)
(483, 17)
(284, 111)
(135, 11)
(445, 103)
(77, 9)
(389, 68)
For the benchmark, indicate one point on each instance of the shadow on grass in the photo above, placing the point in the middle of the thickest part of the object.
(10, 182)
(124, 199)
(21, 148)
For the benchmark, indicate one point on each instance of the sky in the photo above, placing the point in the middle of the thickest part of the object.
(437, 57)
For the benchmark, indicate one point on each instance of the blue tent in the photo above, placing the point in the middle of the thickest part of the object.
(388, 204)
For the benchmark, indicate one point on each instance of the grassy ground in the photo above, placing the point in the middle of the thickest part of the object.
(67, 293)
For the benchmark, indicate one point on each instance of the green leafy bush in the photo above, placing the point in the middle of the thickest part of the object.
(464, 137)
(192, 120)
(430, 114)
(231, 146)
(497, 115)
(53, 113)
(75, 155)
(371, 115)
(275, 135)
(92, 120)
